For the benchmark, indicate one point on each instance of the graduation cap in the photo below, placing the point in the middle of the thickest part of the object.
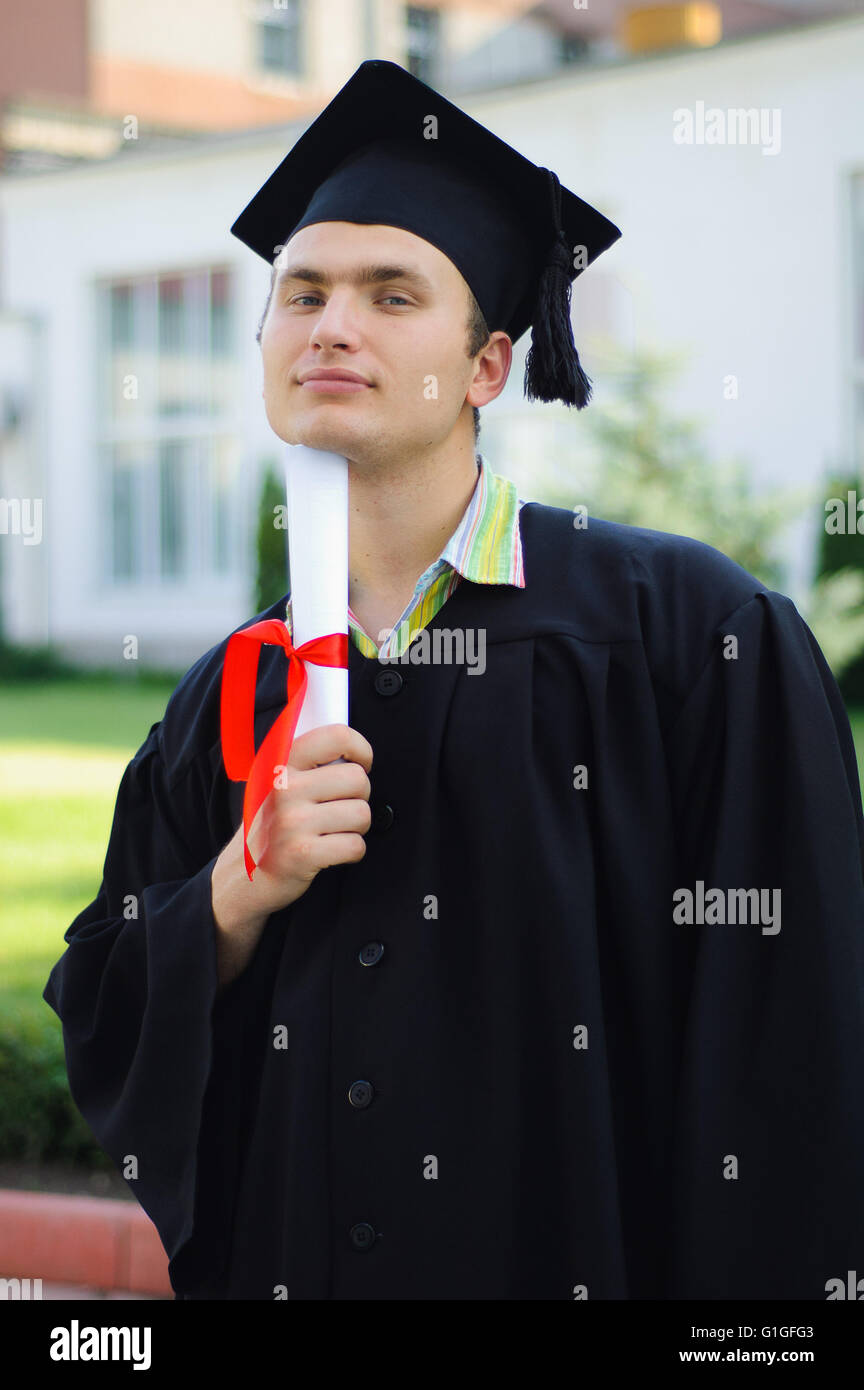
(391, 150)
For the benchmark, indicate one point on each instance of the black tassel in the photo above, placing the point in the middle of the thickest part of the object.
(552, 367)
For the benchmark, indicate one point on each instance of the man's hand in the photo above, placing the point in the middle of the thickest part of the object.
(316, 817)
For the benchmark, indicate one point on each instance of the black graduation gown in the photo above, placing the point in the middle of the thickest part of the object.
(570, 1093)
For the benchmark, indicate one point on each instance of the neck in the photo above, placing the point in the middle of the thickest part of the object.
(400, 519)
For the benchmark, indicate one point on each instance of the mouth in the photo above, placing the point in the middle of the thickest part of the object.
(333, 385)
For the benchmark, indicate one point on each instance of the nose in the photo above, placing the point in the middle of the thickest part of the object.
(336, 324)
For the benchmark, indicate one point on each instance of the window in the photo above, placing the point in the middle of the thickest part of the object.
(422, 42)
(170, 447)
(279, 37)
(573, 48)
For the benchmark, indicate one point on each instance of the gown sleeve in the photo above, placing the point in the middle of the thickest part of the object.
(155, 1059)
(769, 1140)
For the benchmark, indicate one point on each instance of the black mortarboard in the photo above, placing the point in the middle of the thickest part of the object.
(389, 149)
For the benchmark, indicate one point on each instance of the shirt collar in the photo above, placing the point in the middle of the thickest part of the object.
(486, 546)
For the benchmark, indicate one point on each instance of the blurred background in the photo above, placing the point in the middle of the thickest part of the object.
(724, 334)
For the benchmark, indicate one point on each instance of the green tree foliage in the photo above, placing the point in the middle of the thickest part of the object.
(645, 467)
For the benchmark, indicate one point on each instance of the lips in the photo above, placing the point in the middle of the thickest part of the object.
(323, 374)
(337, 383)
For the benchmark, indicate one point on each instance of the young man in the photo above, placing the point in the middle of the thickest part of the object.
(554, 988)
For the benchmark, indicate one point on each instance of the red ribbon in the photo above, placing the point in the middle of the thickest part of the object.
(239, 675)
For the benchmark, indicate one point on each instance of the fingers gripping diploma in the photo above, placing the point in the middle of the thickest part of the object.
(316, 815)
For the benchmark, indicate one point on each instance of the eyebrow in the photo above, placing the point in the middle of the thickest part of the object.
(365, 275)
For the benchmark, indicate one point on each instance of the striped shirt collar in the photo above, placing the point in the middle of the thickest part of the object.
(486, 546)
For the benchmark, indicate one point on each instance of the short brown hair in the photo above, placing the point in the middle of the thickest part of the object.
(478, 334)
(478, 337)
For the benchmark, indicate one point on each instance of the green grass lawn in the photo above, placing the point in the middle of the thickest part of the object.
(63, 749)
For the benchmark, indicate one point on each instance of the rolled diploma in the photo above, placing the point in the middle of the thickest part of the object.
(317, 497)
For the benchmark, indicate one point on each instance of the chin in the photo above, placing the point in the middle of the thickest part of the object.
(336, 436)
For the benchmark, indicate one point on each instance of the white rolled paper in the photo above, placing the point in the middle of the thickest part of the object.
(317, 491)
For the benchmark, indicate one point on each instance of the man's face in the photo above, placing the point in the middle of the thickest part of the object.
(404, 333)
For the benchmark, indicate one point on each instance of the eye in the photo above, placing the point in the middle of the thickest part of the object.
(298, 298)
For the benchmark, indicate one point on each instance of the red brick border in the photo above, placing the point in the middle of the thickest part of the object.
(100, 1242)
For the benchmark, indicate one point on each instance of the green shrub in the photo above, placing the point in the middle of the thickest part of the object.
(38, 1118)
(271, 579)
(844, 551)
(31, 663)
(22, 665)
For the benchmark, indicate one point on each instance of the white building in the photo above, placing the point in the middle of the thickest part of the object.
(130, 378)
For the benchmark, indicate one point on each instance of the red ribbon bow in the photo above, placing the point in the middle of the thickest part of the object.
(239, 674)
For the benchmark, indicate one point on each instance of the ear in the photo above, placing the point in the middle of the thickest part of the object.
(494, 363)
